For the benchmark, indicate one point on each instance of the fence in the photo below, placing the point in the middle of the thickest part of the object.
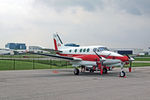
(32, 63)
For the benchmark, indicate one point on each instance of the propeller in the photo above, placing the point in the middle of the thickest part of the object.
(130, 62)
(102, 59)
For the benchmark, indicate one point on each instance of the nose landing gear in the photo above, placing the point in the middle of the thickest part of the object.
(122, 73)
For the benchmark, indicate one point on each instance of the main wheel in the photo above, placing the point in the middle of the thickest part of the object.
(122, 74)
(105, 70)
(76, 71)
(91, 70)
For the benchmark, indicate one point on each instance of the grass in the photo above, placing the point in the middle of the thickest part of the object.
(23, 56)
(40, 64)
(139, 64)
(46, 64)
(28, 64)
(142, 59)
(144, 56)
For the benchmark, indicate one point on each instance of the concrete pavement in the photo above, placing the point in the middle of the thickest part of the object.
(63, 85)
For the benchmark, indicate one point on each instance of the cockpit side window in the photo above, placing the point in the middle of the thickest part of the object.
(95, 49)
(102, 49)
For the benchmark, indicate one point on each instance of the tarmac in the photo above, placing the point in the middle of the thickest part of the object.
(63, 85)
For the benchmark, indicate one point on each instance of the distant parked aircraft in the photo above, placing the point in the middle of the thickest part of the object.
(6, 52)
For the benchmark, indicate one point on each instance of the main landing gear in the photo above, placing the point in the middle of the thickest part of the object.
(76, 71)
(91, 70)
(105, 70)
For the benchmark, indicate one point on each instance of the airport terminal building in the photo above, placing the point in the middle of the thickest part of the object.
(35, 49)
(129, 51)
(16, 46)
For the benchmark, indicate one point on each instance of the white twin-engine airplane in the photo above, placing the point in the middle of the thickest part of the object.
(90, 58)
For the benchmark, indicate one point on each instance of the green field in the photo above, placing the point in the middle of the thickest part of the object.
(139, 64)
(23, 56)
(40, 64)
(142, 59)
(29, 64)
(46, 64)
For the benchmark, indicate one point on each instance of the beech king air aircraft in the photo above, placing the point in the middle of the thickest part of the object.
(90, 57)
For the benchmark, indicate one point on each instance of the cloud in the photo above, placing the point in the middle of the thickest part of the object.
(115, 23)
(137, 7)
(61, 5)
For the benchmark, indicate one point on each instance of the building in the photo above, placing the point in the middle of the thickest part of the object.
(72, 45)
(129, 51)
(36, 49)
(16, 46)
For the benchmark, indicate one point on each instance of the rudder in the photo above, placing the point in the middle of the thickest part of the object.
(57, 42)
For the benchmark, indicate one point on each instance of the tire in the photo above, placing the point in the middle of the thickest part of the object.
(105, 70)
(76, 71)
(122, 74)
(91, 70)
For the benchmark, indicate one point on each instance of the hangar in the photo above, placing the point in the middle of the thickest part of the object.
(16, 46)
(129, 51)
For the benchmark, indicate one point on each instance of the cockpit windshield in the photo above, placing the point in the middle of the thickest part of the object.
(102, 49)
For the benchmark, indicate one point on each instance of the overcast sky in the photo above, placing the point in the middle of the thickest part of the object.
(113, 23)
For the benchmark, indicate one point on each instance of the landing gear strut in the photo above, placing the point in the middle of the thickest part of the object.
(105, 70)
(76, 71)
(122, 73)
(91, 70)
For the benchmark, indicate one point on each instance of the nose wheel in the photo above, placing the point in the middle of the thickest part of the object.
(76, 71)
(122, 74)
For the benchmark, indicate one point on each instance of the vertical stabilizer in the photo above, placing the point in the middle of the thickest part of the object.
(58, 42)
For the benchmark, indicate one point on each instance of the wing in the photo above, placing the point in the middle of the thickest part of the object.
(59, 57)
(51, 50)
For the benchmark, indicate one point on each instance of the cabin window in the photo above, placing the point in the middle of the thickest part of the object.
(80, 50)
(75, 50)
(88, 50)
(70, 50)
(84, 50)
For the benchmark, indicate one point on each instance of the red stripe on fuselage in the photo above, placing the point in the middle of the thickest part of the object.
(91, 57)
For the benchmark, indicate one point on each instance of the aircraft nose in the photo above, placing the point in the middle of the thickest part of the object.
(132, 59)
(125, 58)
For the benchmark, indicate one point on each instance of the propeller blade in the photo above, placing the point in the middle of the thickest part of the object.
(101, 58)
(97, 54)
(130, 58)
(130, 62)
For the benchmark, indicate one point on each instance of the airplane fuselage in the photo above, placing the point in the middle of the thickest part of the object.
(88, 56)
